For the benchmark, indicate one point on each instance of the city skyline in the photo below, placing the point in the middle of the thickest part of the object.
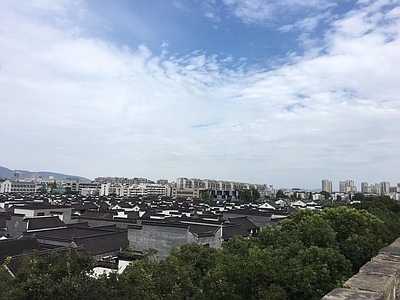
(343, 186)
(284, 93)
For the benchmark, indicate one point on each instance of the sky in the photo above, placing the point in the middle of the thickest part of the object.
(285, 92)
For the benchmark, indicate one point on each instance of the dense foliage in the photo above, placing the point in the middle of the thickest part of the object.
(304, 257)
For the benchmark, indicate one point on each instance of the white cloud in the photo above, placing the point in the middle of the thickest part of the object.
(213, 17)
(70, 102)
(179, 6)
(306, 25)
(250, 11)
(259, 11)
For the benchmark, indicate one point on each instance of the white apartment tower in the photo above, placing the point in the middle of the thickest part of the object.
(327, 185)
(385, 187)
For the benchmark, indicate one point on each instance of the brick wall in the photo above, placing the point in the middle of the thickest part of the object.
(379, 279)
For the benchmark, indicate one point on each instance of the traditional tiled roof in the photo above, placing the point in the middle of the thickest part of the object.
(39, 223)
(96, 245)
(93, 240)
(123, 204)
(34, 206)
(98, 214)
(244, 222)
(12, 247)
(252, 212)
(84, 206)
(203, 230)
(229, 231)
(3, 218)
(132, 214)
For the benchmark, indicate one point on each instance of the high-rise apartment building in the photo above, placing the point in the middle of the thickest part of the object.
(327, 185)
(376, 189)
(385, 187)
(365, 188)
(347, 186)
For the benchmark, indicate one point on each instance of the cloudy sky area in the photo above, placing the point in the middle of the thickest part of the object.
(279, 92)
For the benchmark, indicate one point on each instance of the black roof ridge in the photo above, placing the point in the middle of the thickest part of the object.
(45, 251)
(166, 224)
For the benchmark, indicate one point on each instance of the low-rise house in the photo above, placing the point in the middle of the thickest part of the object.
(18, 225)
(98, 242)
(80, 208)
(269, 205)
(249, 226)
(43, 223)
(299, 204)
(40, 210)
(259, 218)
(122, 206)
(14, 251)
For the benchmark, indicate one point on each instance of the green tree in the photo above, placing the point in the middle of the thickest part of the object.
(280, 267)
(55, 276)
(255, 195)
(245, 196)
(42, 189)
(207, 197)
(359, 234)
(326, 194)
(311, 229)
(196, 259)
(5, 278)
(151, 279)
(386, 209)
(281, 194)
(359, 197)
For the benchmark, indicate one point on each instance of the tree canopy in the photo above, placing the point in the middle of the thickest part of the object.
(281, 194)
(249, 195)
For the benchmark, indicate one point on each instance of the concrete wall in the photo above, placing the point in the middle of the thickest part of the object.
(162, 238)
(379, 279)
(214, 241)
(105, 222)
(29, 212)
(15, 226)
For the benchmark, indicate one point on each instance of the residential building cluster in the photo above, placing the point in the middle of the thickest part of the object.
(348, 187)
(124, 187)
(104, 216)
(183, 187)
(124, 180)
(382, 188)
(104, 225)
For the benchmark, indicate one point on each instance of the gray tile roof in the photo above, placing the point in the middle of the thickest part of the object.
(39, 223)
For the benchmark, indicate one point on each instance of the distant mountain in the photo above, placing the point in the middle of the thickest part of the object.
(7, 173)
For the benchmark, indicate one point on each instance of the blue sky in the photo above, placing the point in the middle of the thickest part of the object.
(278, 92)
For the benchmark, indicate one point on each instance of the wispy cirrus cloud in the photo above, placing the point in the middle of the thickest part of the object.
(179, 5)
(260, 12)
